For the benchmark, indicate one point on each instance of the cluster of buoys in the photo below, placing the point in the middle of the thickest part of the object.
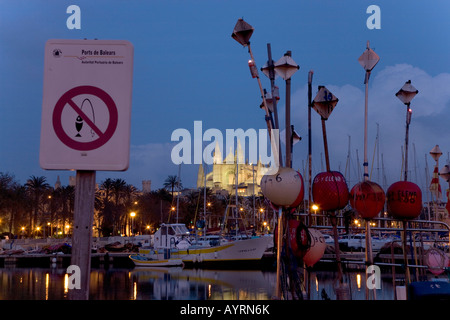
(285, 189)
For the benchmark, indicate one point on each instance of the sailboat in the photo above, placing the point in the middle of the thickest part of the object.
(176, 239)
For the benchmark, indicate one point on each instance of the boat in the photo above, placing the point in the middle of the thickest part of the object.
(140, 260)
(177, 236)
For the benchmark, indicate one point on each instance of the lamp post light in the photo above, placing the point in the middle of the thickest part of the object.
(132, 215)
(315, 207)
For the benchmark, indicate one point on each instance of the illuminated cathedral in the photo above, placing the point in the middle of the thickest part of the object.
(222, 178)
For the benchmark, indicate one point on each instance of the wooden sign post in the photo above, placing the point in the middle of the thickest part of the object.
(82, 231)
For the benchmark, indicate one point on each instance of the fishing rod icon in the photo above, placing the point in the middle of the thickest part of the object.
(79, 120)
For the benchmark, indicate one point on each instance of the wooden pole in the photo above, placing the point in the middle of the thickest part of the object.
(279, 248)
(408, 121)
(405, 257)
(82, 231)
(274, 144)
(310, 77)
(288, 120)
(325, 144)
(274, 100)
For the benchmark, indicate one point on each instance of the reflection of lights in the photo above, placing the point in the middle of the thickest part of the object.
(317, 284)
(66, 283)
(47, 284)
(358, 281)
(134, 290)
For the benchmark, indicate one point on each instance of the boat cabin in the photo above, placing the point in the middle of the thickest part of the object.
(169, 235)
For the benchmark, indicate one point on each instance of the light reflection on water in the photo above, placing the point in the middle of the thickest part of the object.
(174, 284)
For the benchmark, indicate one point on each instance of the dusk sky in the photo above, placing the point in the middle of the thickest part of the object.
(188, 68)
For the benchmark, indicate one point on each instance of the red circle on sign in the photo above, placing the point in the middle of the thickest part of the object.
(103, 137)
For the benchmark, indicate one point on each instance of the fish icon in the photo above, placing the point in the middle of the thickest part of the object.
(78, 125)
(89, 112)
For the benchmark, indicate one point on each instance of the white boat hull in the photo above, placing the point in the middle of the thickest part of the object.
(240, 250)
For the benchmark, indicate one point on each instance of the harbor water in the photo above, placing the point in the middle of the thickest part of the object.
(177, 284)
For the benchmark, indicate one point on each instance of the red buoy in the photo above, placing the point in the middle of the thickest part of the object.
(317, 248)
(330, 191)
(298, 236)
(367, 198)
(404, 200)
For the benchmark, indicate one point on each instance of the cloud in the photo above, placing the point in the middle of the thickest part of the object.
(429, 125)
(153, 162)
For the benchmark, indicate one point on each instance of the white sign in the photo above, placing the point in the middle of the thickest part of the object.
(86, 108)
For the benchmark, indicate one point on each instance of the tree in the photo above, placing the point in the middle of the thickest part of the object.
(170, 183)
(36, 187)
(14, 202)
(65, 200)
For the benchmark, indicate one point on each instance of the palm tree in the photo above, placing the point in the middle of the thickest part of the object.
(170, 183)
(65, 197)
(36, 186)
(107, 187)
(13, 200)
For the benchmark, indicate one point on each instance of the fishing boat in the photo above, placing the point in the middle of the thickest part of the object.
(177, 236)
(141, 260)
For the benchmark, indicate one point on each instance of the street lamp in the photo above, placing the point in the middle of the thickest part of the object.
(315, 207)
(132, 215)
(406, 94)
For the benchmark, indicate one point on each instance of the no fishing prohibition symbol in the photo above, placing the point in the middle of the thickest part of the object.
(66, 100)
(86, 108)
